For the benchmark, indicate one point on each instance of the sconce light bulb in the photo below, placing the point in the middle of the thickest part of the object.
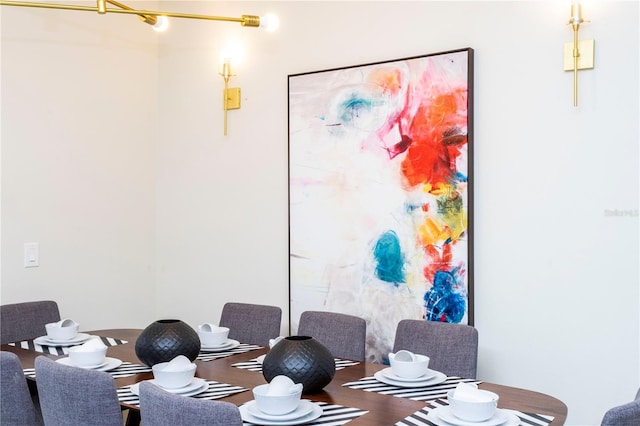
(576, 12)
(161, 24)
(269, 22)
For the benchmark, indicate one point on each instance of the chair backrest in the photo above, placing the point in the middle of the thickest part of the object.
(249, 323)
(75, 396)
(453, 348)
(624, 415)
(17, 408)
(24, 321)
(161, 408)
(344, 335)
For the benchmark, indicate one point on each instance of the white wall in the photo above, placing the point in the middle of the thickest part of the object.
(79, 116)
(556, 277)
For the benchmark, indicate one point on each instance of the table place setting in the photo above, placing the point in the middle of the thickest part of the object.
(178, 377)
(114, 366)
(409, 377)
(256, 364)
(90, 355)
(215, 343)
(279, 403)
(210, 390)
(466, 405)
(60, 338)
(209, 354)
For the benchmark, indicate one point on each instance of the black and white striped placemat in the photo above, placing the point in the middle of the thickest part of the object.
(426, 393)
(215, 390)
(254, 365)
(420, 418)
(59, 350)
(243, 347)
(126, 369)
(333, 415)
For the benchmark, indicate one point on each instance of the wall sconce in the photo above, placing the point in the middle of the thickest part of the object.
(578, 55)
(230, 95)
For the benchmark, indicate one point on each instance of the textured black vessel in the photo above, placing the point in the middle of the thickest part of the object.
(165, 339)
(303, 359)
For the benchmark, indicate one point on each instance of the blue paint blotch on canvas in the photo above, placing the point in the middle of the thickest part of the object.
(410, 208)
(389, 259)
(445, 301)
(353, 108)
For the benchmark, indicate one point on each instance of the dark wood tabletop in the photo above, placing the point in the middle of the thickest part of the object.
(383, 409)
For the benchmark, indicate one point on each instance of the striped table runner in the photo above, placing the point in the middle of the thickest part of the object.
(243, 347)
(126, 369)
(59, 350)
(333, 415)
(419, 418)
(216, 390)
(254, 365)
(427, 393)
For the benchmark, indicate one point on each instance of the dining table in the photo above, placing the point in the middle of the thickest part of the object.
(353, 390)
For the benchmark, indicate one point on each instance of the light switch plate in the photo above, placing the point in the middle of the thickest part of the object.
(31, 255)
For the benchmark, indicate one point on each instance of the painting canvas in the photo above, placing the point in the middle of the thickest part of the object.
(380, 199)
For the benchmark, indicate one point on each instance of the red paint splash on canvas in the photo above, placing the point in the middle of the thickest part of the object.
(438, 134)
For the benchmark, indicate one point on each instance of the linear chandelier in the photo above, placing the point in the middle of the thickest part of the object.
(159, 22)
(153, 18)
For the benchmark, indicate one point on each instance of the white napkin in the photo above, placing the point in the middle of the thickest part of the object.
(210, 328)
(403, 355)
(91, 345)
(282, 385)
(260, 359)
(469, 392)
(273, 342)
(179, 363)
(64, 323)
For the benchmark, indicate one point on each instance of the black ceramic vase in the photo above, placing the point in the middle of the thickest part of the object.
(303, 359)
(164, 340)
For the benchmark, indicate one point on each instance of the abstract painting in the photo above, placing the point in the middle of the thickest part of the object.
(380, 197)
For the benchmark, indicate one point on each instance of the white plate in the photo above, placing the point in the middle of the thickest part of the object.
(437, 379)
(44, 340)
(197, 386)
(442, 416)
(388, 373)
(67, 361)
(303, 408)
(112, 364)
(248, 417)
(230, 344)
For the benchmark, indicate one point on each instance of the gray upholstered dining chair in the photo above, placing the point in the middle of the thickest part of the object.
(17, 407)
(24, 321)
(248, 323)
(453, 348)
(75, 396)
(344, 335)
(161, 408)
(624, 415)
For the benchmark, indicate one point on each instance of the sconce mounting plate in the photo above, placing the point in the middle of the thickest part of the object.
(586, 58)
(233, 98)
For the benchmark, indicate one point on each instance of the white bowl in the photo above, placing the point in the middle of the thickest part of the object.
(85, 358)
(173, 379)
(67, 332)
(473, 411)
(275, 405)
(410, 369)
(217, 336)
